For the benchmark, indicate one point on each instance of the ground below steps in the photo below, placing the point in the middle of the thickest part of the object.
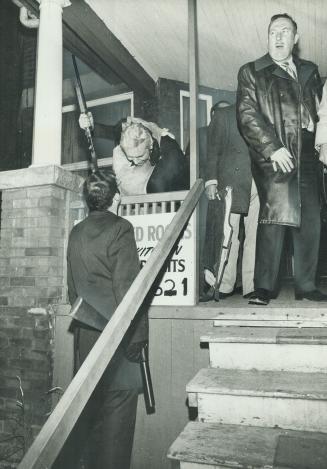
(237, 446)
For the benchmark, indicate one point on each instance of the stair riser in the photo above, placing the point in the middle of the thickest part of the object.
(296, 414)
(275, 357)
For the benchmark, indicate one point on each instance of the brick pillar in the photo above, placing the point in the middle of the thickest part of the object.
(35, 223)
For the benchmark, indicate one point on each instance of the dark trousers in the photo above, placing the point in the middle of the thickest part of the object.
(306, 238)
(110, 423)
(103, 435)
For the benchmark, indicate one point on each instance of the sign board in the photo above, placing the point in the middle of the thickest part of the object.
(176, 287)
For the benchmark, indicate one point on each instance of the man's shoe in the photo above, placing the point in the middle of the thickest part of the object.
(222, 295)
(248, 295)
(260, 297)
(313, 295)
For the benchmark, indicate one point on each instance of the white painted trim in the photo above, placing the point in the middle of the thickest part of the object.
(106, 100)
(186, 94)
(102, 163)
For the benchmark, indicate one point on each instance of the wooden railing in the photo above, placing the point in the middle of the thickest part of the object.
(164, 202)
(57, 428)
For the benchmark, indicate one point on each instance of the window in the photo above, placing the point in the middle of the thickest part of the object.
(204, 106)
(107, 111)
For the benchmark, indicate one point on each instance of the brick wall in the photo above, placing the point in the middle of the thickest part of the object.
(32, 257)
(25, 360)
(32, 260)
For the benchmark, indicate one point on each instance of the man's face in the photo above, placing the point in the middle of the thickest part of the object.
(281, 39)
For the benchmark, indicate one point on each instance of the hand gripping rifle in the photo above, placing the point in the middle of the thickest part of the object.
(83, 110)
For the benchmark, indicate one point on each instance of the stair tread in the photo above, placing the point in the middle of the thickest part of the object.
(267, 335)
(296, 385)
(240, 446)
(311, 315)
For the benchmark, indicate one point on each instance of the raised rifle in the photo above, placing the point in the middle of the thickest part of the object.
(83, 110)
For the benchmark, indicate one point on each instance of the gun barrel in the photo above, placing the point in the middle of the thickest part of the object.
(147, 382)
(83, 110)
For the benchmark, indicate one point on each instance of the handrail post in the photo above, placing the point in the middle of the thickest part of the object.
(194, 143)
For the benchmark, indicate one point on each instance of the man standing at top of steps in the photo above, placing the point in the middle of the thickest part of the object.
(277, 99)
(228, 164)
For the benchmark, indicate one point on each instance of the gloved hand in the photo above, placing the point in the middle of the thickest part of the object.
(86, 121)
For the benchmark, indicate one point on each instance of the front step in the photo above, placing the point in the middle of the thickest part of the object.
(215, 446)
(290, 400)
(305, 314)
(268, 348)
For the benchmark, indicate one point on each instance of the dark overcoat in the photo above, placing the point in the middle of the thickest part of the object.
(172, 171)
(102, 264)
(228, 158)
(269, 116)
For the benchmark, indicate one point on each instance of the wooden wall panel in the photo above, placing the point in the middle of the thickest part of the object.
(175, 357)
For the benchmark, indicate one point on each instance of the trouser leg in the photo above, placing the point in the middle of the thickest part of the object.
(230, 272)
(306, 239)
(249, 247)
(268, 252)
(111, 438)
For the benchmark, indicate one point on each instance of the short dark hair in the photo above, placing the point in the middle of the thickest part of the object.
(218, 105)
(283, 15)
(99, 190)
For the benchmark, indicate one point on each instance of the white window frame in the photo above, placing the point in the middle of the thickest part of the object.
(102, 162)
(186, 94)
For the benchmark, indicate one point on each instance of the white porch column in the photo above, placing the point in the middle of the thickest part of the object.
(48, 88)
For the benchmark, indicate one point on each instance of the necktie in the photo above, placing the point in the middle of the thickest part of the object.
(290, 70)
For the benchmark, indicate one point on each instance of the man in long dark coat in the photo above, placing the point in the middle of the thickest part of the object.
(228, 164)
(102, 264)
(277, 100)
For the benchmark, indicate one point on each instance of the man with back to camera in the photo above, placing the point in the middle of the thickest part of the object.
(277, 99)
(102, 264)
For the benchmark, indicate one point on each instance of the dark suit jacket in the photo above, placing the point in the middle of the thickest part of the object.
(102, 263)
(228, 158)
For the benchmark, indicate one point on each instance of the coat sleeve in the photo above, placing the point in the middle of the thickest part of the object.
(72, 294)
(123, 259)
(125, 267)
(321, 134)
(259, 134)
(217, 140)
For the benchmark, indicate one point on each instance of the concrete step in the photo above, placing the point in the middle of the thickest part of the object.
(268, 348)
(212, 445)
(304, 314)
(289, 400)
